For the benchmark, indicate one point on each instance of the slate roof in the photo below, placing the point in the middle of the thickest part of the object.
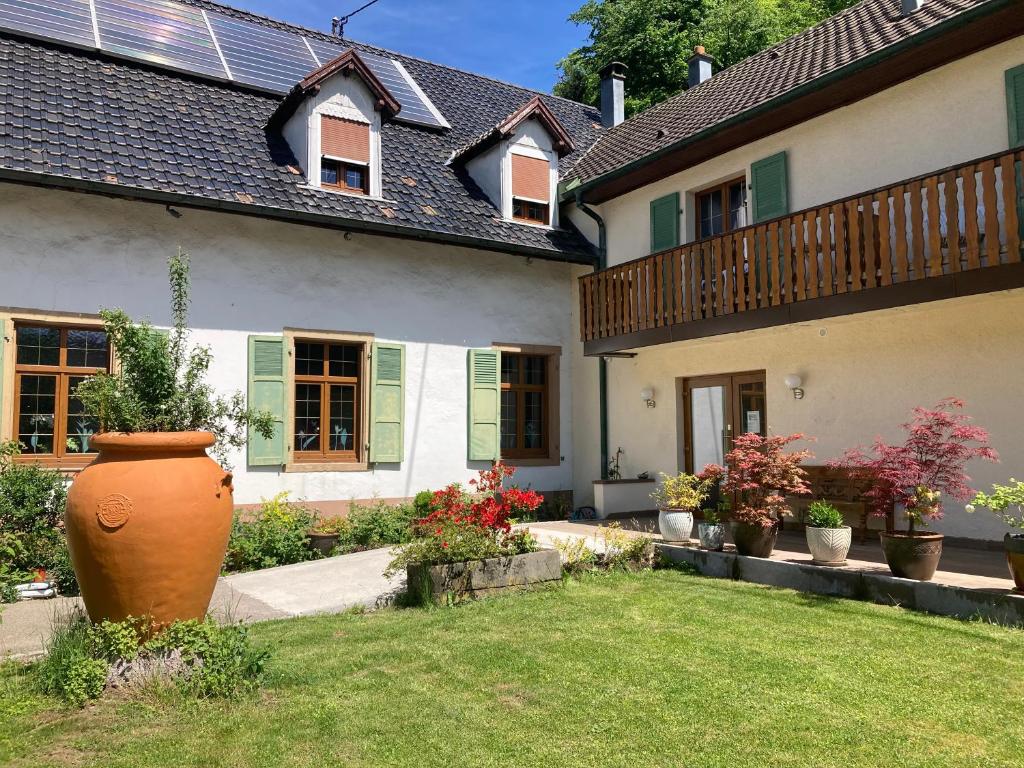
(859, 31)
(80, 119)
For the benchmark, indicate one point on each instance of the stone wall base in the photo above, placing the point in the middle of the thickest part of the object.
(478, 578)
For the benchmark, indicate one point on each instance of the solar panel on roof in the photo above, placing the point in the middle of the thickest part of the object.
(416, 108)
(160, 32)
(260, 56)
(63, 21)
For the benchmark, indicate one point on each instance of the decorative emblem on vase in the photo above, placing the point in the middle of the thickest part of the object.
(113, 510)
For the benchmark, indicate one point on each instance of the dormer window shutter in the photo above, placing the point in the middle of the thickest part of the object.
(344, 139)
(531, 178)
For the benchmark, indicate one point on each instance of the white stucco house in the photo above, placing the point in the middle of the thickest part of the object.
(421, 270)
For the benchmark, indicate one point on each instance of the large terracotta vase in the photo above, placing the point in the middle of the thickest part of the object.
(148, 524)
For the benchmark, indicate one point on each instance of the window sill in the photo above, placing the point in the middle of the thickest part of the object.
(64, 466)
(327, 466)
(541, 461)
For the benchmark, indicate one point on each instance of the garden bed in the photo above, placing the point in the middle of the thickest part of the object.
(478, 578)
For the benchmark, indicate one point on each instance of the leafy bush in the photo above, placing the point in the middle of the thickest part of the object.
(471, 526)
(382, 525)
(624, 552)
(715, 515)
(424, 503)
(821, 514)
(32, 500)
(209, 659)
(577, 555)
(683, 491)
(161, 386)
(273, 535)
(1003, 498)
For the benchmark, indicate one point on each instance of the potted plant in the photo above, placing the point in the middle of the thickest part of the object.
(711, 529)
(325, 535)
(467, 547)
(759, 473)
(148, 520)
(1007, 501)
(677, 498)
(913, 476)
(827, 538)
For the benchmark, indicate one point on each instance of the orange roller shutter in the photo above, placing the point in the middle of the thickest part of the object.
(531, 178)
(345, 139)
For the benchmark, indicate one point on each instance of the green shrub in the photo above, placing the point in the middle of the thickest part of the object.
(273, 535)
(378, 526)
(70, 669)
(459, 543)
(821, 514)
(424, 503)
(577, 555)
(623, 552)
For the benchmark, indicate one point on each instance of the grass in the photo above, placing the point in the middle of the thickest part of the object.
(656, 668)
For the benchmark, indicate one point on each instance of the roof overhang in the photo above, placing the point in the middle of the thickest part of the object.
(981, 27)
(348, 63)
(534, 109)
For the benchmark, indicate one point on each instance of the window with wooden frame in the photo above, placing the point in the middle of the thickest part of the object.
(525, 406)
(345, 155)
(721, 208)
(531, 211)
(327, 400)
(51, 423)
(344, 176)
(531, 189)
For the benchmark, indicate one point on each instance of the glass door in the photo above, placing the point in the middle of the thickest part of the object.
(717, 409)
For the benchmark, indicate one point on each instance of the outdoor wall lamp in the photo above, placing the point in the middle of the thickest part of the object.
(647, 395)
(794, 382)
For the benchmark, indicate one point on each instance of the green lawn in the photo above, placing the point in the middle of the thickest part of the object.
(659, 668)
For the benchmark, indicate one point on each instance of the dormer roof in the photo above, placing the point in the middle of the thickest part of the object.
(348, 63)
(536, 109)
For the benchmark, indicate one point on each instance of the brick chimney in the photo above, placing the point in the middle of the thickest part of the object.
(613, 94)
(698, 67)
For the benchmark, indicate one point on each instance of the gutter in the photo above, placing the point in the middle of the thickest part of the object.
(326, 221)
(978, 12)
(602, 363)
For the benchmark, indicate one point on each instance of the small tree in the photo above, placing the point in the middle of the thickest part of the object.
(161, 383)
(929, 463)
(761, 474)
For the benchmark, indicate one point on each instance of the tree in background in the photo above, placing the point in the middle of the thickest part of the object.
(654, 38)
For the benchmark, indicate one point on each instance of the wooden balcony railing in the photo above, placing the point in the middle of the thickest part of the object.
(963, 218)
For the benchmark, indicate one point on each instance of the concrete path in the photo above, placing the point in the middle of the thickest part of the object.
(332, 585)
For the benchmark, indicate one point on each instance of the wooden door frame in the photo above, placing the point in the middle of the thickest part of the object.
(730, 403)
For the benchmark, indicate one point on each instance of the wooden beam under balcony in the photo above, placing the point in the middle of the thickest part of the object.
(956, 232)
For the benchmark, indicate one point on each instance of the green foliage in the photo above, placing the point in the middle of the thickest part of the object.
(381, 525)
(459, 543)
(821, 514)
(654, 38)
(1006, 501)
(32, 500)
(273, 535)
(114, 640)
(577, 556)
(161, 382)
(623, 552)
(716, 514)
(424, 503)
(70, 670)
(682, 491)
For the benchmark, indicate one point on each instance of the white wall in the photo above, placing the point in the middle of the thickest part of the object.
(949, 115)
(68, 252)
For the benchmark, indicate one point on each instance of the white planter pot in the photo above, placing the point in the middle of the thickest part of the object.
(675, 524)
(829, 546)
(712, 536)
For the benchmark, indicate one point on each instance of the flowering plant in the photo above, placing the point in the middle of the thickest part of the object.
(471, 525)
(1002, 498)
(929, 463)
(761, 474)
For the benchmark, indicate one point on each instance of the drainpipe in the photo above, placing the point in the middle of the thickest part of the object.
(602, 364)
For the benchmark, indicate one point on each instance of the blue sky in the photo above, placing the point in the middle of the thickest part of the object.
(520, 42)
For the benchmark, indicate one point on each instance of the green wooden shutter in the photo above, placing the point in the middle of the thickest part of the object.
(484, 404)
(387, 402)
(665, 222)
(1015, 105)
(267, 392)
(770, 180)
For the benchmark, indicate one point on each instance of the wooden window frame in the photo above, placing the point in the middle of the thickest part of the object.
(731, 382)
(549, 454)
(543, 208)
(307, 461)
(721, 188)
(325, 381)
(343, 166)
(60, 458)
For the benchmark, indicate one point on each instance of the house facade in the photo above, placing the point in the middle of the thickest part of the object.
(814, 243)
(420, 270)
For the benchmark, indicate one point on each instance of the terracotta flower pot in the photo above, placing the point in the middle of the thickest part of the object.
(712, 536)
(829, 546)
(147, 524)
(675, 524)
(1014, 543)
(912, 556)
(754, 540)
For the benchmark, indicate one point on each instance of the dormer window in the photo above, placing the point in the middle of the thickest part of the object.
(531, 188)
(344, 155)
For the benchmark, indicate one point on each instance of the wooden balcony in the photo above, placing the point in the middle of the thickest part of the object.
(952, 233)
